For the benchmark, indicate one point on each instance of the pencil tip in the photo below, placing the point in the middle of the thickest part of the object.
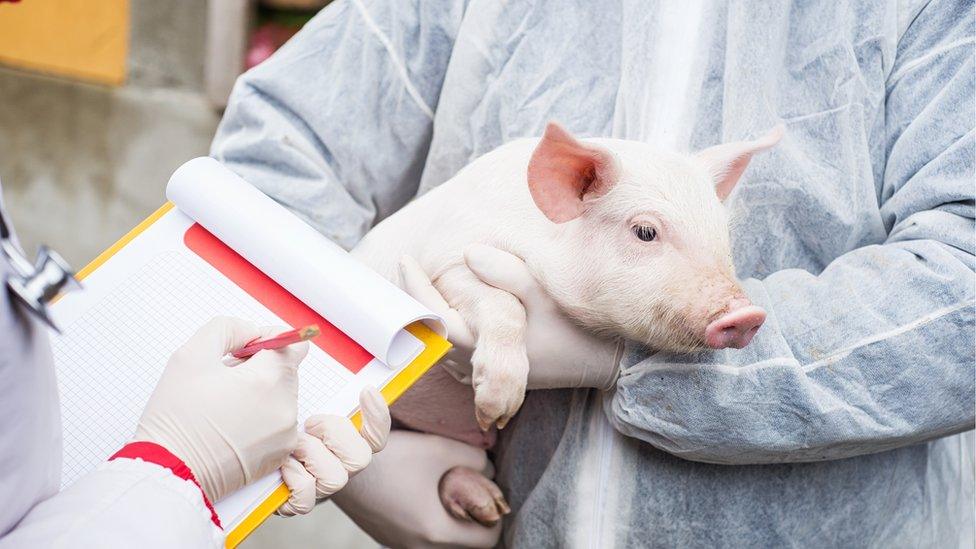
(308, 332)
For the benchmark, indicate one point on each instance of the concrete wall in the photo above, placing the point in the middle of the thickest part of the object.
(167, 44)
(81, 164)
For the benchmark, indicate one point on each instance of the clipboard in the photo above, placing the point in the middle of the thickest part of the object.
(171, 266)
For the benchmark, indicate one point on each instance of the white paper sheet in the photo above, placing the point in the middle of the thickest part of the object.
(361, 303)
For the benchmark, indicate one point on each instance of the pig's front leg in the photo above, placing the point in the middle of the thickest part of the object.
(500, 367)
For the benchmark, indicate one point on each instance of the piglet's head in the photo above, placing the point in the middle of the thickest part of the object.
(648, 238)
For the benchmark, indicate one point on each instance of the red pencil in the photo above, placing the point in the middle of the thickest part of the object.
(278, 341)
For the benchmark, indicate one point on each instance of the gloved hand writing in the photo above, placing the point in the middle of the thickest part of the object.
(229, 424)
(331, 451)
(396, 499)
(561, 354)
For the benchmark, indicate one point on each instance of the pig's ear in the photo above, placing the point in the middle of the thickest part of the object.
(564, 171)
(726, 162)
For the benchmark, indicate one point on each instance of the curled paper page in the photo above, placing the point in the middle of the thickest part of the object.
(357, 300)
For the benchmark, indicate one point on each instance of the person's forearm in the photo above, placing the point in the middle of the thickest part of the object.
(125, 503)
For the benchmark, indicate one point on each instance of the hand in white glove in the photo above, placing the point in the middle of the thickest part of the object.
(229, 424)
(331, 451)
(396, 500)
(561, 354)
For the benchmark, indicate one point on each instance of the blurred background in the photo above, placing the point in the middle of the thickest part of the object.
(100, 101)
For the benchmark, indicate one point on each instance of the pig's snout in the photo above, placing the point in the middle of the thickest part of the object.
(736, 327)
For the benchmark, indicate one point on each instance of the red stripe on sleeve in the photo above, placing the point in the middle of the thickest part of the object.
(151, 452)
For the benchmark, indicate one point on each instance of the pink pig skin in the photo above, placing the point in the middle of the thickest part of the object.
(571, 209)
(454, 405)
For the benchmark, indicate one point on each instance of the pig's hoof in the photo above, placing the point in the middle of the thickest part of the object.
(496, 403)
(499, 385)
(469, 495)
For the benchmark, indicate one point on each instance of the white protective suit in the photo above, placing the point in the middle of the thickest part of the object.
(125, 503)
(839, 425)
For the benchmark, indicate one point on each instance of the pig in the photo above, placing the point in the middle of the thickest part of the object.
(629, 239)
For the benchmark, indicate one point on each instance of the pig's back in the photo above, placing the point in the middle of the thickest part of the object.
(485, 202)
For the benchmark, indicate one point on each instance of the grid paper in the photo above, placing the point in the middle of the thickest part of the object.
(110, 358)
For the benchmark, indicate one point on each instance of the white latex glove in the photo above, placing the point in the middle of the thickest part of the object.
(561, 354)
(396, 499)
(229, 424)
(331, 451)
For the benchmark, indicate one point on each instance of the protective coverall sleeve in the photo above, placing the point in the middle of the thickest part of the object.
(874, 352)
(337, 124)
(125, 503)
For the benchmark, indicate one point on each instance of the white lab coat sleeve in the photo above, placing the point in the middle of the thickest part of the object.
(124, 503)
(336, 125)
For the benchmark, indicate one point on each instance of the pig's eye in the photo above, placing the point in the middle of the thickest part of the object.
(645, 233)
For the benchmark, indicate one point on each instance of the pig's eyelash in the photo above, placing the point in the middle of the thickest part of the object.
(645, 233)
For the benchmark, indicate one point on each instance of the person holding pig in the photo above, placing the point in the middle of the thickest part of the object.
(846, 422)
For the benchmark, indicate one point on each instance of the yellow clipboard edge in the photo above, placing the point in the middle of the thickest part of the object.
(435, 347)
(120, 243)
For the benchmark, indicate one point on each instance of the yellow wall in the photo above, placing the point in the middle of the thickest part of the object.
(83, 39)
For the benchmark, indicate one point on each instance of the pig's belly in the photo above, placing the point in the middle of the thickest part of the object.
(440, 405)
